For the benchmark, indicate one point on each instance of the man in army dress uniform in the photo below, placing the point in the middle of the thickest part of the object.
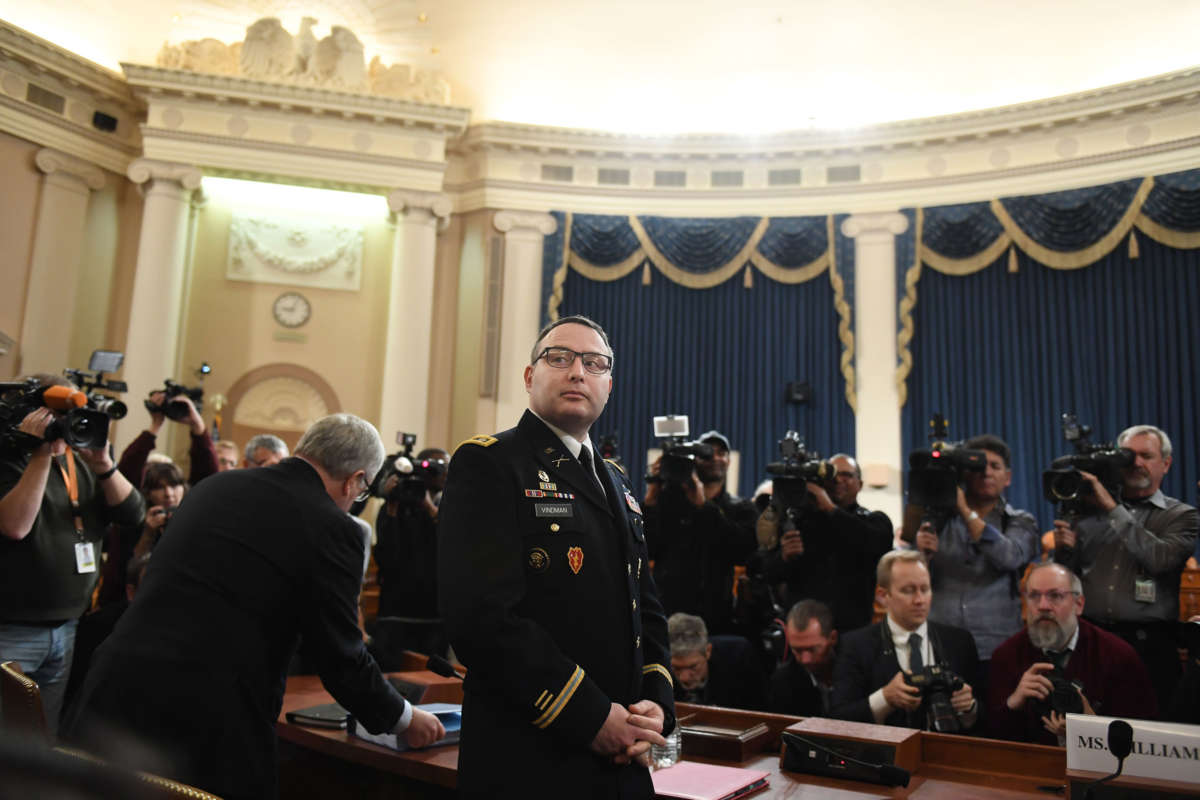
(547, 596)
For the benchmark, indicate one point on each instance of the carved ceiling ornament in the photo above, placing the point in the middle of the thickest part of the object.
(280, 403)
(269, 52)
(294, 250)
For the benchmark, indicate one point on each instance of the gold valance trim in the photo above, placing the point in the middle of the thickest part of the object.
(1180, 240)
(694, 280)
(845, 320)
(965, 266)
(791, 275)
(907, 304)
(1075, 259)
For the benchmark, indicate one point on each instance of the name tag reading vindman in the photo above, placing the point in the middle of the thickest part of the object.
(553, 510)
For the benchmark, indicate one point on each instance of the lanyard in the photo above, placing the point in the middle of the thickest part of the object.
(71, 479)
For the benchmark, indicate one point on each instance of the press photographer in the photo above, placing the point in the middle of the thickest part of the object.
(59, 489)
(828, 543)
(696, 530)
(907, 670)
(1060, 664)
(181, 405)
(406, 543)
(1130, 554)
(978, 553)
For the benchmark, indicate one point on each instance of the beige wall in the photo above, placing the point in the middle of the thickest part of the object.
(18, 211)
(229, 323)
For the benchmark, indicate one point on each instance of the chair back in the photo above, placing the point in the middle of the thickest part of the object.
(21, 703)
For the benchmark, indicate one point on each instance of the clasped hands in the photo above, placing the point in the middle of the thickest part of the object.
(627, 733)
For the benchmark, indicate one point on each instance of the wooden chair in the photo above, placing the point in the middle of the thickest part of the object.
(21, 703)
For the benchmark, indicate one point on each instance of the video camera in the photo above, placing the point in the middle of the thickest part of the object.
(1062, 483)
(935, 474)
(797, 468)
(679, 456)
(415, 477)
(85, 423)
(937, 682)
(178, 411)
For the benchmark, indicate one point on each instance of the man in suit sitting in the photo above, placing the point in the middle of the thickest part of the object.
(875, 664)
(721, 671)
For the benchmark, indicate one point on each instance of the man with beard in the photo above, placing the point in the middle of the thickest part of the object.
(1057, 646)
(1130, 555)
(696, 534)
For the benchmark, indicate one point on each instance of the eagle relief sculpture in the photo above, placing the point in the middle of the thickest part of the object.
(271, 53)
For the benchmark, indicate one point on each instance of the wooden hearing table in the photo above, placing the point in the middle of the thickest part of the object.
(316, 762)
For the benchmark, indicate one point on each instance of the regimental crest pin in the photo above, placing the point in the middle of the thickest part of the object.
(542, 476)
(575, 559)
(539, 560)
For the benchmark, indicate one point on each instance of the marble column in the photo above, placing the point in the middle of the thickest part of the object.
(404, 403)
(520, 314)
(877, 424)
(45, 338)
(156, 313)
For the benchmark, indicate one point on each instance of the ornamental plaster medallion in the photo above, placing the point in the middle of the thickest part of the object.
(295, 250)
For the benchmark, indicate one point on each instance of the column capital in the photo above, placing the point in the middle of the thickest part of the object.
(889, 223)
(54, 162)
(525, 221)
(436, 204)
(142, 170)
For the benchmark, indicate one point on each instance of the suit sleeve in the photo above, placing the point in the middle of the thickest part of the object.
(481, 581)
(1003, 676)
(331, 636)
(852, 680)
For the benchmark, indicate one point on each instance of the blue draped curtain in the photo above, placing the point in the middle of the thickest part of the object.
(1006, 348)
(721, 355)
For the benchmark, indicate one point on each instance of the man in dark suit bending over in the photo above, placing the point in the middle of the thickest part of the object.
(873, 662)
(547, 595)
(190, 683)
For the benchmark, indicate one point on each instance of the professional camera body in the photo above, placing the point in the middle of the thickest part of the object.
(797, 468)
(415, 477)
(85, 423)
(934, 475)
(178, 411)
(937, 682)
(1062, 483)
(679, 456)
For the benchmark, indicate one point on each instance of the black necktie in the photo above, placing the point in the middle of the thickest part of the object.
(916, 662)
(1059, 658)
(585, 460)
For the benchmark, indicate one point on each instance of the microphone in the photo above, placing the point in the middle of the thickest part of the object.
(885, 774)
(63, 398)
(443, 667)
(1120, 744)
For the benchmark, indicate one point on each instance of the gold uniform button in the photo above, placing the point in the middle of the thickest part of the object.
(637, 642)
(554, 527)
(635, 605)
(629, 568)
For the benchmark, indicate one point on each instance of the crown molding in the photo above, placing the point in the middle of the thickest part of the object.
(156, 84)
(46, 58)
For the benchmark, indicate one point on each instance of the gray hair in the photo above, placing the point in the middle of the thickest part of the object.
(342, 444)
(883, 573)
(688, 634)
(1076, 584)
(267, 441)
(853, 462)
(1164, 441)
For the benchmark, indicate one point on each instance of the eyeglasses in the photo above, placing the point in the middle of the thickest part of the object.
(563, 357)
(366, 492)
(1054, 596)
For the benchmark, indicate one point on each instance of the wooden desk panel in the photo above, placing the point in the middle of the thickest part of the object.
(952, 767)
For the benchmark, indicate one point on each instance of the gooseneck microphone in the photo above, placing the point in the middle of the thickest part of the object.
(443, 667)
(1120, 744)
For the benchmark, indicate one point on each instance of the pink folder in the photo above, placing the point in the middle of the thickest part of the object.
(689, 780)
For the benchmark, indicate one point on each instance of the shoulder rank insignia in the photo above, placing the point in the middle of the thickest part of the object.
(483, 440)
(575, 559)
(620, 469)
